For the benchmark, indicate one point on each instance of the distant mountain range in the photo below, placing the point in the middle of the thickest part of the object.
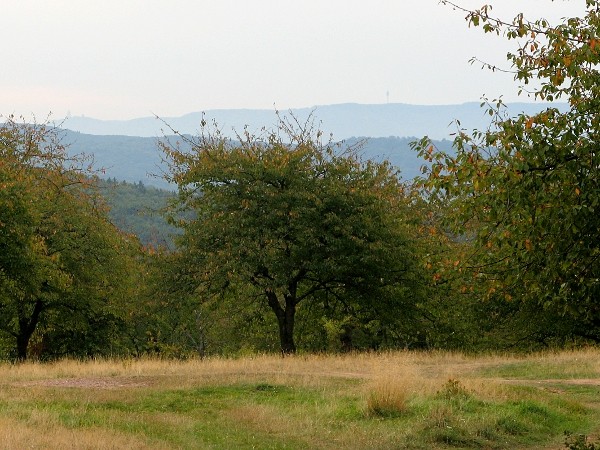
(128, 150)
(343, 120)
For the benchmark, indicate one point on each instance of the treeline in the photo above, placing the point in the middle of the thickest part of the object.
(87, 268)
(93, 267)
(288, 242)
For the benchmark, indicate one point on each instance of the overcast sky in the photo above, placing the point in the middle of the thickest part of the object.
(120, 59)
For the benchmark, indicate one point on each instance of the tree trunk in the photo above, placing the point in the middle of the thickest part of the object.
(285, 321)
(22, 344)
(27, 326)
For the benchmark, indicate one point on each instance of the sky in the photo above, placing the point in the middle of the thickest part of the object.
(122, 59)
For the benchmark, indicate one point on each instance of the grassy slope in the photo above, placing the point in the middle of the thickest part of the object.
(393, 400)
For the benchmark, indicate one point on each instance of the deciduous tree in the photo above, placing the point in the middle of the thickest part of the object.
(286, 219)
(62, 264)
(527, 191)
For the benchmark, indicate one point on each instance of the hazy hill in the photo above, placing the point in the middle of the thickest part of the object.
(126, 158)
(343, 120)
(128, 150)
(134, 159)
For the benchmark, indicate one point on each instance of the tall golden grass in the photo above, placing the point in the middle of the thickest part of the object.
(43, 432)
(387, 381)
(418, 370)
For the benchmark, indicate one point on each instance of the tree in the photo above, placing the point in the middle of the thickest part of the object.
(527, 191)
(285, 219)
(62, 264)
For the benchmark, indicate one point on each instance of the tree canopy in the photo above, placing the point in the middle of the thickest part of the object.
(62, 264)
(286, 219)
(527, 190)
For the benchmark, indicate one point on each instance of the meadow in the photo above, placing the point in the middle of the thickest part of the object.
(406, 400)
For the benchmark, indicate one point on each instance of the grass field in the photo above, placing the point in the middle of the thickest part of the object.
(354, 401)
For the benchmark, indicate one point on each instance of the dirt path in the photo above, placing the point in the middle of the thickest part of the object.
(94, 383)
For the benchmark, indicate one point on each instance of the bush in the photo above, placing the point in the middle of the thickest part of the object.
(579, 442)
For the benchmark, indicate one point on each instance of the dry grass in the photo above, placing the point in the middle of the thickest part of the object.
(383, 385)
(401, 374)
(387, 397)
(419, 373)
(42, 431)
(352, 365)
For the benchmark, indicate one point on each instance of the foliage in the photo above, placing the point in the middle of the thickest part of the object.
(63, 267)
(526, 191)
(453, 389)
(138, 209)
(284, 218)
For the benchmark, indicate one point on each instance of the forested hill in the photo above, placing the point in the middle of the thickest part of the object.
(125, 158)
(138, 209)
(134, 159)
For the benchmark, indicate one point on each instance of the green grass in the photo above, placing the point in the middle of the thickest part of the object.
(296, 403)
(546, 366)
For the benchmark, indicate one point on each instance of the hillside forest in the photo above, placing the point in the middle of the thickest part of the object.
(286, 241)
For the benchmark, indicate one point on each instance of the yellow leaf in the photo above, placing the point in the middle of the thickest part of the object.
(558, 77)
(529, 123)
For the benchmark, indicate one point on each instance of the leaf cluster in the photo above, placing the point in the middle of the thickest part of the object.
(62, 264)
(526, 191)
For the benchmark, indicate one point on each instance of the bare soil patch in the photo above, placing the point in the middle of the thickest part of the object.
(89, 383)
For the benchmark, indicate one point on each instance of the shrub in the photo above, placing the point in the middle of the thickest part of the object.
(453, 389)
(579, 442)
